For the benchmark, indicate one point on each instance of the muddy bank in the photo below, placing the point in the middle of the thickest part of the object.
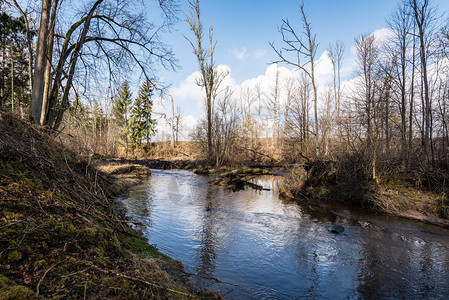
(163, 164)
(319, 180)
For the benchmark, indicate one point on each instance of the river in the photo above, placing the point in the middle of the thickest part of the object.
(253, 245)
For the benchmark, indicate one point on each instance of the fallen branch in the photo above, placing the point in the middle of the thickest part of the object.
(255, 186)
(46, 272)
(132, 222)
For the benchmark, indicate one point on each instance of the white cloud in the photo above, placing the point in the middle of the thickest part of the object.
(244, 54)
(188, 125)
(240, 54)
(188, 89)
(324, 69)
(260, 53)
(383, 35)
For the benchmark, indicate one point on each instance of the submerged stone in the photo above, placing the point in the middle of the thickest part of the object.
(336, 229)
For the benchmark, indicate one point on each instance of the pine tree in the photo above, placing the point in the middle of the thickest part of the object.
(122, 105)
(14, 79)
(141, 125)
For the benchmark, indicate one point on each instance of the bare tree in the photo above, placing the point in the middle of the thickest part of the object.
(303, 50)
(260, 98)
(401, 23)
(273, 104)
(290, 88)
(327, 119)
(367, 55)
(107, 34)
(299, 117)
(40, 66)
(336, 56)
(424, 16)
(206, 63)
(29, 41)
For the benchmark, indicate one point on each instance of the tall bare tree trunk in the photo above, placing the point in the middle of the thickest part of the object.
(47, 76)
(207, 69)
(411, 108)
(315, 108)
(40, 63)
(12, 81)
(421, 17)
(275, 109)
(73, 60)
(303, 47)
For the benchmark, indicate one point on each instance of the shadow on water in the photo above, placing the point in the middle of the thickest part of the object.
(252, 244)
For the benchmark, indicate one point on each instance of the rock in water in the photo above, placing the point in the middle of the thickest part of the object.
(336, 229)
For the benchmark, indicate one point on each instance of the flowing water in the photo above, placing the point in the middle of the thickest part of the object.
(252, 245)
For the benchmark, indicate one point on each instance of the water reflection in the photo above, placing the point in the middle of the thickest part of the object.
(251, 244)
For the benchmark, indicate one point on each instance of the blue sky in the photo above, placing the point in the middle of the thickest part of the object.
(244, 29)
(252, 24)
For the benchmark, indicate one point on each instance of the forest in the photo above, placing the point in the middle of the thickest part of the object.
(86, 75)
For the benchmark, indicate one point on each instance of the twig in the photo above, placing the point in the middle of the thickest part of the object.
(132, 222)
(260, 153)
(46, 272)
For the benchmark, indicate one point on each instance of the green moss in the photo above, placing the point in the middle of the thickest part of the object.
(66, 227)
(111, 245)
(10, 291)
(18, 292)
(107, 281)
(141, 247)
(87, 236)
(40, 263)
(12, 215)
(251, 171)
(14, 256)
(98, 251)
(73, 247)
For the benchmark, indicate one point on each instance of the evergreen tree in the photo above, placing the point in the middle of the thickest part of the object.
(141, 125)
(14, 79)
(122, 105)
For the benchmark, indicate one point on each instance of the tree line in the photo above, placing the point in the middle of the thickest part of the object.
(391, 117)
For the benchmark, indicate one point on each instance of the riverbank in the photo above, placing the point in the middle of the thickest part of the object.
(62, 236)
(394, 197)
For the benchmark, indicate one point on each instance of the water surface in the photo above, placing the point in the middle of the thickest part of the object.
(252, 245)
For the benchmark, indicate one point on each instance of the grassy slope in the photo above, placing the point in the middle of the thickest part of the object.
(60, 236)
